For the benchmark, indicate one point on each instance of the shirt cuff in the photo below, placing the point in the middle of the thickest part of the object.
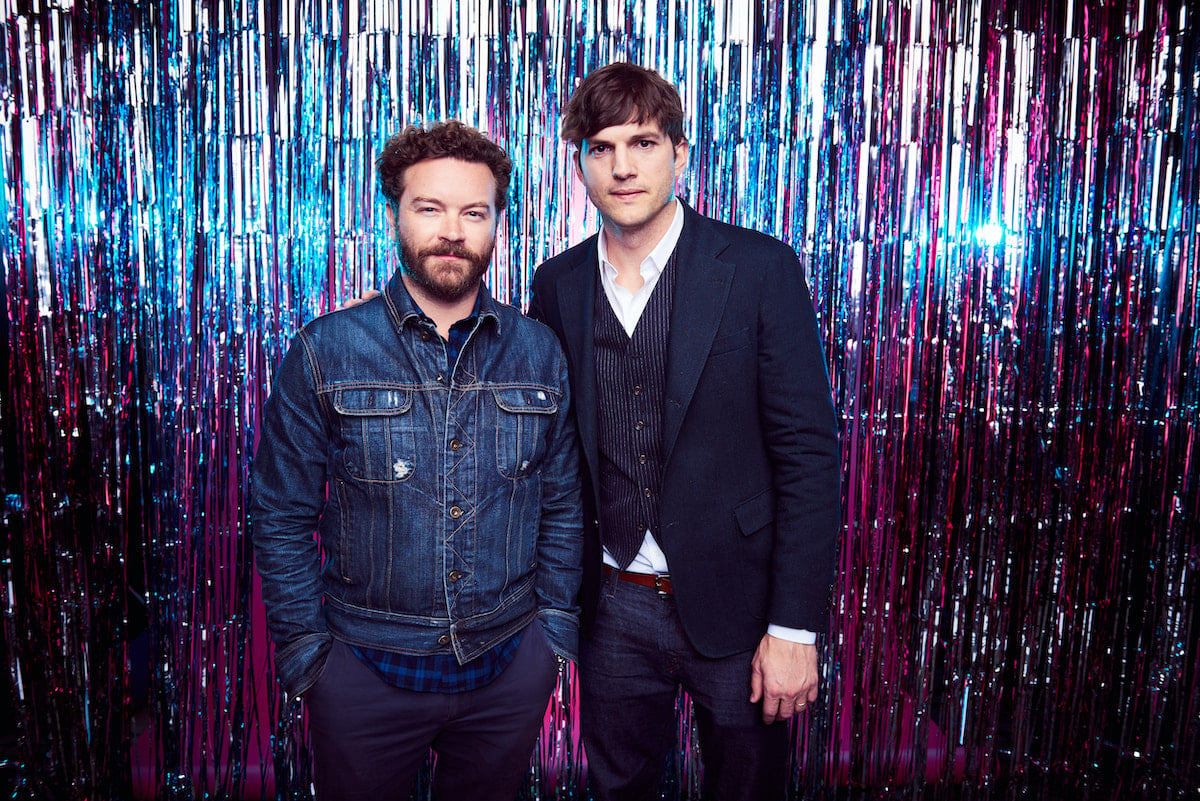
(802, 636)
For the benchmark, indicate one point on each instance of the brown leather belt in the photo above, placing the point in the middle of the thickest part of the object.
(655, 581)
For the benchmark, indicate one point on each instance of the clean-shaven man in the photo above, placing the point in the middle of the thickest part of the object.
(710, 459)
(425, 436)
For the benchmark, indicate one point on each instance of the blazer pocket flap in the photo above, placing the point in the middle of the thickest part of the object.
(371, 401)
(755, 514)
(727, 342)
(525, 400)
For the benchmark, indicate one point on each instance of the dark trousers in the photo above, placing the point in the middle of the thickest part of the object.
(369, 738)
(630, 668)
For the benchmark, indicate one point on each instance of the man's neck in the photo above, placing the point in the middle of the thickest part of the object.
(443, 313)
(627, 248)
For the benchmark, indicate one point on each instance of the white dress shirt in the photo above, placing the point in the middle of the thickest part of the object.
(628, 307)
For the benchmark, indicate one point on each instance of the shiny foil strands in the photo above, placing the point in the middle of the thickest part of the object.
(996, 204)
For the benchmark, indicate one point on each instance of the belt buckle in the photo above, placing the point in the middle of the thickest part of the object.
(660, 580)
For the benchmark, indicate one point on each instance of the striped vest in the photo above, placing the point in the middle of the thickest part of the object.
(630, 383)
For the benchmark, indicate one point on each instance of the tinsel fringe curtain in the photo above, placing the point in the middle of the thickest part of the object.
(996, 202)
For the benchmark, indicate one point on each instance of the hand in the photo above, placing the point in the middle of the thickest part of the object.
(370, 293)
(783, 675)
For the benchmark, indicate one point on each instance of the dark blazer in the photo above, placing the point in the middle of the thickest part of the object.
(750, 507)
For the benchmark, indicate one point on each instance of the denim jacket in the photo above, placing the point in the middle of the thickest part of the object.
(446, 507)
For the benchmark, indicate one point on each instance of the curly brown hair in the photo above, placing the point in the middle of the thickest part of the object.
(446, 139)
(619, 93)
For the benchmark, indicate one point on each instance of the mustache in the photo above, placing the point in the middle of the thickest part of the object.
(448, 249)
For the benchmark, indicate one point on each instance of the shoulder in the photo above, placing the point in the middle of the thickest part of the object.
(735, 241)
(526, 328)
(748, 252)
(343, 327)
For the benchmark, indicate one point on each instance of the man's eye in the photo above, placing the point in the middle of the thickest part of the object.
(597, 150)
(645, 144)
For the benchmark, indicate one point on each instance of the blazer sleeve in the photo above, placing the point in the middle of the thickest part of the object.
(801, 434)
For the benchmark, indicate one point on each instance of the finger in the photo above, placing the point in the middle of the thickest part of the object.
(756, 686)
(769, 714)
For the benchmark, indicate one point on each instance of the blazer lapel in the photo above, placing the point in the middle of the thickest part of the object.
(701, 290)
(576, 307)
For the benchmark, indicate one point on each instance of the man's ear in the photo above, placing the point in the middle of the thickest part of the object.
(681, 156)
(389, 214)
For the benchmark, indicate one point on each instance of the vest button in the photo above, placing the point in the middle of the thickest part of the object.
(641, 458)
(639, 425)
(637, 389)
(456, 512)
(444, 639)
(646, 492)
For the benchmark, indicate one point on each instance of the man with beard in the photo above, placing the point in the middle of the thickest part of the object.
(425, 436)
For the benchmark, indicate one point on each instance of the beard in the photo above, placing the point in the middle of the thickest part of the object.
(447, 282)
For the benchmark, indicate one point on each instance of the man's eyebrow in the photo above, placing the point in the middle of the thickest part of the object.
(636, 136)
(420, 199)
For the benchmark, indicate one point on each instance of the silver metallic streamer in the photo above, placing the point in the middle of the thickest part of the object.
(997, 203)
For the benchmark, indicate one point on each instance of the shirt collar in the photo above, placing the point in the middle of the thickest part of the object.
(656, 261)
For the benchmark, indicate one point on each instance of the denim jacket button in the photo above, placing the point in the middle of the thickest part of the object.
(444, 639)
(454, 576)
(456, 512)
(455, 444)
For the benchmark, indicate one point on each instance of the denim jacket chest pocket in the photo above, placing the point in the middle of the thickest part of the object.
(523, 416)
(379, 433)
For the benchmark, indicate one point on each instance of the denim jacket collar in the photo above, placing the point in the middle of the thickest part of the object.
(404, 309)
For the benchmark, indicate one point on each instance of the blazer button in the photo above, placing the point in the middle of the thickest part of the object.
(444, 639)
(456, 512)
(639, 425)
(454, 576)
(646, 492)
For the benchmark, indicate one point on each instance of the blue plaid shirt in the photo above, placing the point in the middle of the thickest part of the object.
(441, 673)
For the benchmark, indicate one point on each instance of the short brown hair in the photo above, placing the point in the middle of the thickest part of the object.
(449, 139)
(621, 93)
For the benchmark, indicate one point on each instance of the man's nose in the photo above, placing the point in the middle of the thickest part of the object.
(622, 165)
(451, 228)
